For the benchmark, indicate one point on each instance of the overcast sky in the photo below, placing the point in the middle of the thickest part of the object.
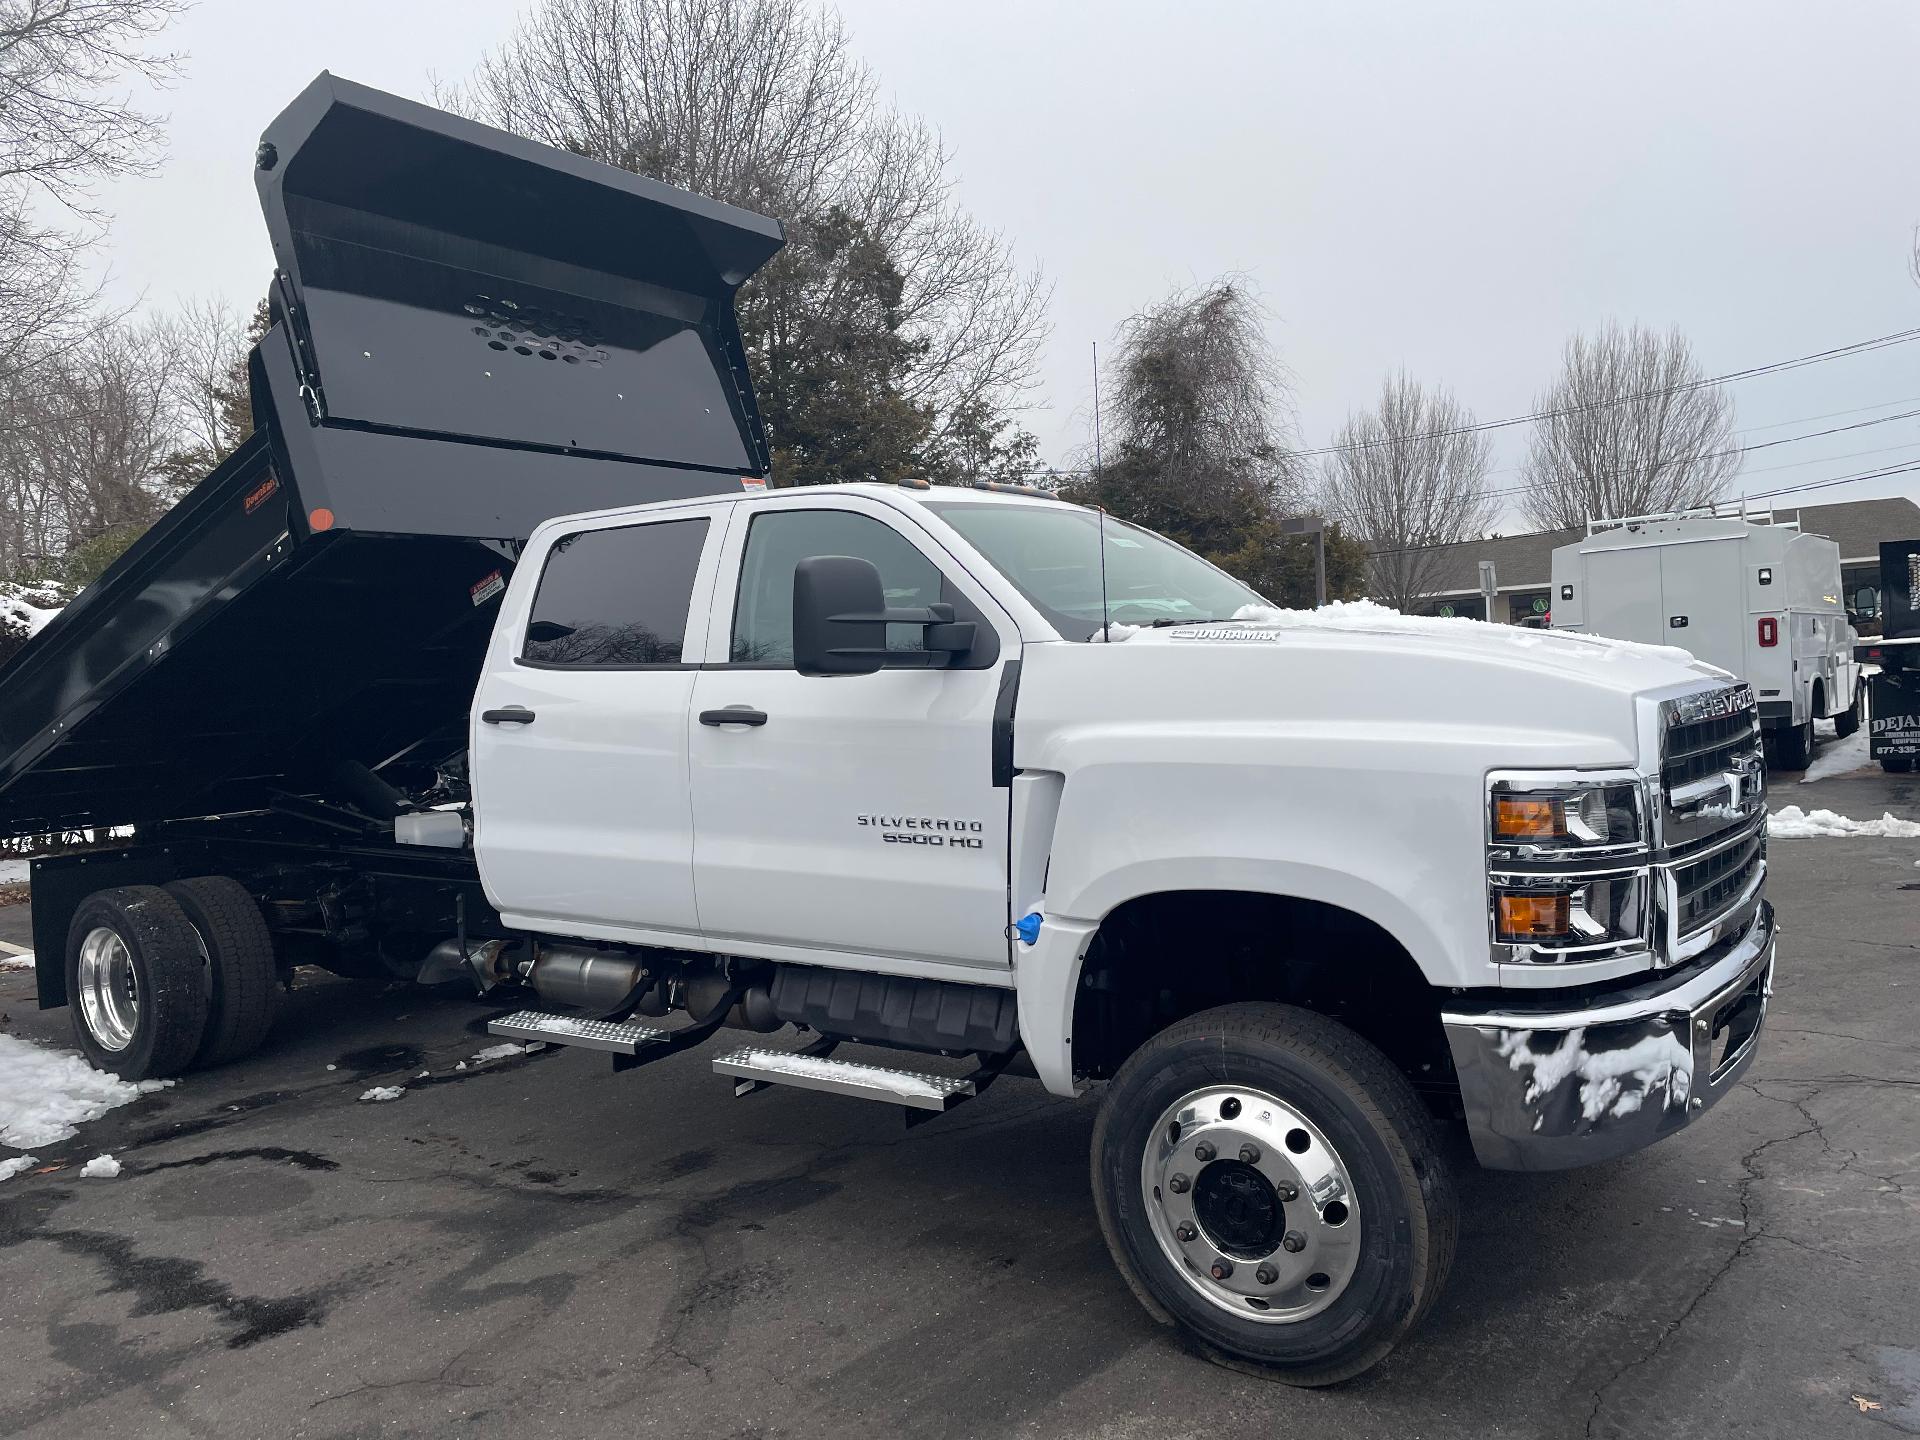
(1451, 188)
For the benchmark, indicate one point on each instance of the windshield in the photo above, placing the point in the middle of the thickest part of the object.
(1051, 555)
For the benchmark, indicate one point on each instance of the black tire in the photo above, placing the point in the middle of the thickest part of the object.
(243, 983)
(1793, 748)
(1897, 764)
(1380, 1131)
(167, 983)
(1847, 721)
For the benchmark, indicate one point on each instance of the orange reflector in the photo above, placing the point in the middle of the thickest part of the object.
(1524, 817)
(1531, 916)
(320, 518)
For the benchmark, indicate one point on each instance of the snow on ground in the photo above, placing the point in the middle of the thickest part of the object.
(18, 1165)
(384, 1092)
(500, 1052)
(17, 962)
(1837, 757)
(101, 1167)
(12, 871)
(1790, 822)
(45, 1094)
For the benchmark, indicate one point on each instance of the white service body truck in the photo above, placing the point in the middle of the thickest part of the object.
(980, 778)
(1760, 600)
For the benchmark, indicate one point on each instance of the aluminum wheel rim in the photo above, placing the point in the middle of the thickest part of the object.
(109, 989)
(1263, 1142)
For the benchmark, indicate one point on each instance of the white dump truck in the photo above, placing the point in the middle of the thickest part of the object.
(1759, 598)
(491, 658)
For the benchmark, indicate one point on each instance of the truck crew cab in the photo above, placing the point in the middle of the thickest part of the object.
(481, 661)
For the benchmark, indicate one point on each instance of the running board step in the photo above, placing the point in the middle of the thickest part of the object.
(752, 1068)
(621, 1039)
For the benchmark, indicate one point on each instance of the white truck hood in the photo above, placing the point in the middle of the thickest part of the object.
(1615, 665)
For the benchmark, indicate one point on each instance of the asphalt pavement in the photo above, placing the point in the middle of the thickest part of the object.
(535, 1245)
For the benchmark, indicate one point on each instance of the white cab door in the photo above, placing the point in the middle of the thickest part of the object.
(583, 823)
(862, 816)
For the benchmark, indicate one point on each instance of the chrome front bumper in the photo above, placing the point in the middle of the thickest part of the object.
(1547, 1088)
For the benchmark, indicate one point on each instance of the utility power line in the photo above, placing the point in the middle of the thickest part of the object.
(1859, 347)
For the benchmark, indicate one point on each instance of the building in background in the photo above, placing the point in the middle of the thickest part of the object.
(1523, 564)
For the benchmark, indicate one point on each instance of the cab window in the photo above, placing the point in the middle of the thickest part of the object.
(779, 540)
(616, 599)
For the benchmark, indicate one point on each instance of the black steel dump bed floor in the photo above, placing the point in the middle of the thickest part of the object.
(473, 333)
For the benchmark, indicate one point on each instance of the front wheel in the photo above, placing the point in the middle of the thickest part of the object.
(1269, 1182)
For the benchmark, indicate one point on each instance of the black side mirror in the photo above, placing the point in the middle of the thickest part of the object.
(840, 619)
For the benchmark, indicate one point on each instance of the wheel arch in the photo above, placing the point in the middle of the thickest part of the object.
(1241, 944)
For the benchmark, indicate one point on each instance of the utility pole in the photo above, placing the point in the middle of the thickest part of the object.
(1316, 527)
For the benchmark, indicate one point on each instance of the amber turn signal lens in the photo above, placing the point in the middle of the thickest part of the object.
(1525, 917)
(1526, 817)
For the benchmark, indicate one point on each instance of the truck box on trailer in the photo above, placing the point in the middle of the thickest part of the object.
(1760, 600)
(480, 662)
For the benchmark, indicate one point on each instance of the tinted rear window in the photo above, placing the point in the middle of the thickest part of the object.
(616, 598)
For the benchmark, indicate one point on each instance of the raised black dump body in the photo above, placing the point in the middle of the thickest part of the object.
(472, 333)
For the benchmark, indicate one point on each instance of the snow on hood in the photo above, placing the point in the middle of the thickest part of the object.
(1256, 623)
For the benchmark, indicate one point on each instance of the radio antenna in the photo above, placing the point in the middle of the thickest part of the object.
(1106, 614)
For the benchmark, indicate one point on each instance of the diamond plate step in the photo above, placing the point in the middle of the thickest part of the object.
(621, 1039)
(750, 1066)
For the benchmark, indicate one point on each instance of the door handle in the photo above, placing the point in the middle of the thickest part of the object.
(513, 714)
(734, 715)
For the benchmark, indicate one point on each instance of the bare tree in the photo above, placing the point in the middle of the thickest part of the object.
(1410, 477)
(85, 466)
(762, 103)
(65, 122)
(1630, 427)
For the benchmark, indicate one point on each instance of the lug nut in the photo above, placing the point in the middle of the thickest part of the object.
(1266, 1274)
(1178, 1184)
(1287, 1191)
(1221, 1269)
(1294, 1243)
(1186, 1234)
(1203, 1152)
(1250, 1154)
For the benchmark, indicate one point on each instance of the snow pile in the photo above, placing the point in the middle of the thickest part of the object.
(45, 1094)
(1838, 758)
(1790, 822)
(381, 1093)
(12, 871)
(21, 605)
(101, 1167)
(17, 962)
(500, 1052)
(1369, 615)
(18, 1165)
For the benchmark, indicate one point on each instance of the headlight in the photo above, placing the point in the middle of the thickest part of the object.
(1568, 875)
(1531, 819)
(1566, 913)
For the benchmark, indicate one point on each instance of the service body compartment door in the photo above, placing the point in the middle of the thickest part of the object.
(583, 822)
(861, 815)
(1705, 585)
(1623, 596)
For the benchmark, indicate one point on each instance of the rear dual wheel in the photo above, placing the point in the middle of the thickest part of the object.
(1269, 1183)
(162, 980)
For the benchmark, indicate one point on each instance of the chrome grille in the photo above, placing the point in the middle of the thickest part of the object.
(1704, 889)
(1699, 748)
(1711, 831)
